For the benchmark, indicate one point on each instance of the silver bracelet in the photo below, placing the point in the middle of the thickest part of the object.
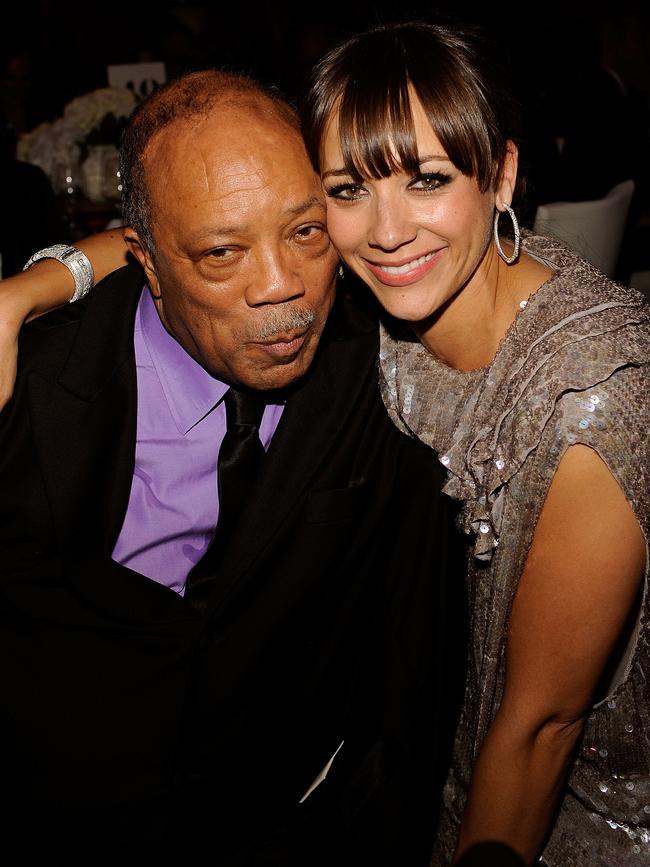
(75, 261)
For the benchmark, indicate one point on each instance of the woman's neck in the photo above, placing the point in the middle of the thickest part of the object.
(467, 333)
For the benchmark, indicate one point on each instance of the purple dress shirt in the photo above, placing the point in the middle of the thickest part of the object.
(174, 504)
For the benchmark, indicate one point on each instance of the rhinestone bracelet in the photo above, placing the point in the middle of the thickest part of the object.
(75, 261)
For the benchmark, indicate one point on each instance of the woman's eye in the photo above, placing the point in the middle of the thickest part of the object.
(346, 192)
(429, 182)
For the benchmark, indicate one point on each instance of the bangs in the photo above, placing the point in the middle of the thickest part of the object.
(376, 130)
(369, 82)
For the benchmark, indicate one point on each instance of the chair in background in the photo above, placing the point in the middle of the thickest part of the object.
(641, 280)
(594, 229)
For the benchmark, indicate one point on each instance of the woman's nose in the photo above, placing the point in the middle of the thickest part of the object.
(391, 225)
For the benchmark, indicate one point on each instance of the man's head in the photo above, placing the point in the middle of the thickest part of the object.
(228, 222)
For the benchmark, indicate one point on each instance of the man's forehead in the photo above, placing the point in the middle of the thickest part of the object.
(207, 162)
(242, 186)
(229, 125)
(232, 149)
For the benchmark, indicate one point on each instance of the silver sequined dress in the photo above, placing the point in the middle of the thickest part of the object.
(574, 367)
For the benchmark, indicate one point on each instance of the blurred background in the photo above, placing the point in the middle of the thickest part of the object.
(52, 51)
(581, 71)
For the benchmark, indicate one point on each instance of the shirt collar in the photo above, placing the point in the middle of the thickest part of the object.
(191, 392)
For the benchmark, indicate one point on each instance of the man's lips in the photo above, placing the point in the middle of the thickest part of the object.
(283, 345)
(407, 271)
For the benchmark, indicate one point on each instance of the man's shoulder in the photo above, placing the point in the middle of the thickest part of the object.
(355, 314)
(109, 294)
(45, 343)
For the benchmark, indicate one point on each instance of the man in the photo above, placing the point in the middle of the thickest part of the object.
(145, 722)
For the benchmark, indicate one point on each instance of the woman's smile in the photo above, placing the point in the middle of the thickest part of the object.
(404, 273)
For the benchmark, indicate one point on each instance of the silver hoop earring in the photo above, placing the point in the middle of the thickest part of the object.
(515, 228)
(341, 272)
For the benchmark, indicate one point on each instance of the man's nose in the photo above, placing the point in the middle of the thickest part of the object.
(277, 280)
(391, 226)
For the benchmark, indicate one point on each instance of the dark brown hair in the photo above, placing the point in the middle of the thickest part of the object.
(195, 94)
(365, 82)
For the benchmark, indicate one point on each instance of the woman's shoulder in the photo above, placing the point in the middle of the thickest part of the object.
(577, 328)
(583, 342)
(575, 281)
(579, 349)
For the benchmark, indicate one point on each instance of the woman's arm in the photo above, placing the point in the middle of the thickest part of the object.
(47, 284)
(580, 581)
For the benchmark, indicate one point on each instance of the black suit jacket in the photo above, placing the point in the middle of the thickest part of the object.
(134, 728)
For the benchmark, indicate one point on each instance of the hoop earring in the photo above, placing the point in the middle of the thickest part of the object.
(515, 228)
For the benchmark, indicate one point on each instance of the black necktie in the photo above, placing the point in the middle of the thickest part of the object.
(240, 458)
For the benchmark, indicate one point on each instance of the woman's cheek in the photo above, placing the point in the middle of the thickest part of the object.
(342, 230)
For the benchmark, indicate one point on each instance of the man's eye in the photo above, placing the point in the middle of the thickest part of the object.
(308, 233)
(221, 252)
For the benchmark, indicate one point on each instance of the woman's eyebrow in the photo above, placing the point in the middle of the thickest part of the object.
(335, 173)
(427, 158)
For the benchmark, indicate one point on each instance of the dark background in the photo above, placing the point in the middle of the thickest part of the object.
(51, 52)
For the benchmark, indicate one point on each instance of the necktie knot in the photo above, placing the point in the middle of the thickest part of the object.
(243, 408)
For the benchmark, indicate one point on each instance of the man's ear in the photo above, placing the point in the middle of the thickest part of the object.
(506, 187)
(139, 251)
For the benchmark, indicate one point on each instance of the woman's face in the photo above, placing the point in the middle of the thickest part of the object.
(415, 240)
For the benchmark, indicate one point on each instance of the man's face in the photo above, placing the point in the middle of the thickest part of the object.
(242, 263)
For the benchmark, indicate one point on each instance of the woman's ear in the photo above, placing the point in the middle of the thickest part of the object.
(508, 179)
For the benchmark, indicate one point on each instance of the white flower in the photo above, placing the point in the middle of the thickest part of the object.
(58, 147)
(86, 112)
(53, 147)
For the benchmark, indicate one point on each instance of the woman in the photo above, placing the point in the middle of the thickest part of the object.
(527, 371)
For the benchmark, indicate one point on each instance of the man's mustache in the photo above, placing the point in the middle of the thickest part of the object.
(279, 321)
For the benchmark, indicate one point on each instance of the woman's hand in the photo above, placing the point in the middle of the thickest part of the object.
(44, 286)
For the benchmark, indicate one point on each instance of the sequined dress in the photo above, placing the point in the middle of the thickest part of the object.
(574, 367)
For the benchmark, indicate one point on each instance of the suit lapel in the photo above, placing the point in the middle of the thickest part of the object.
(85, 421)
(315, 414)
(86, 452)
(84, 424)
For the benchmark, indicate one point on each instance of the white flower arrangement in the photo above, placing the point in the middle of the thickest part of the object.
(93, 118)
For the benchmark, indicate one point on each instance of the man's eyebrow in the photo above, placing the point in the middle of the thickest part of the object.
(314, 201)
(214, 232)
(233, 229)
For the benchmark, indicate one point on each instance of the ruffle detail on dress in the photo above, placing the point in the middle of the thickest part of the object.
(479, 470)
(593, 334)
